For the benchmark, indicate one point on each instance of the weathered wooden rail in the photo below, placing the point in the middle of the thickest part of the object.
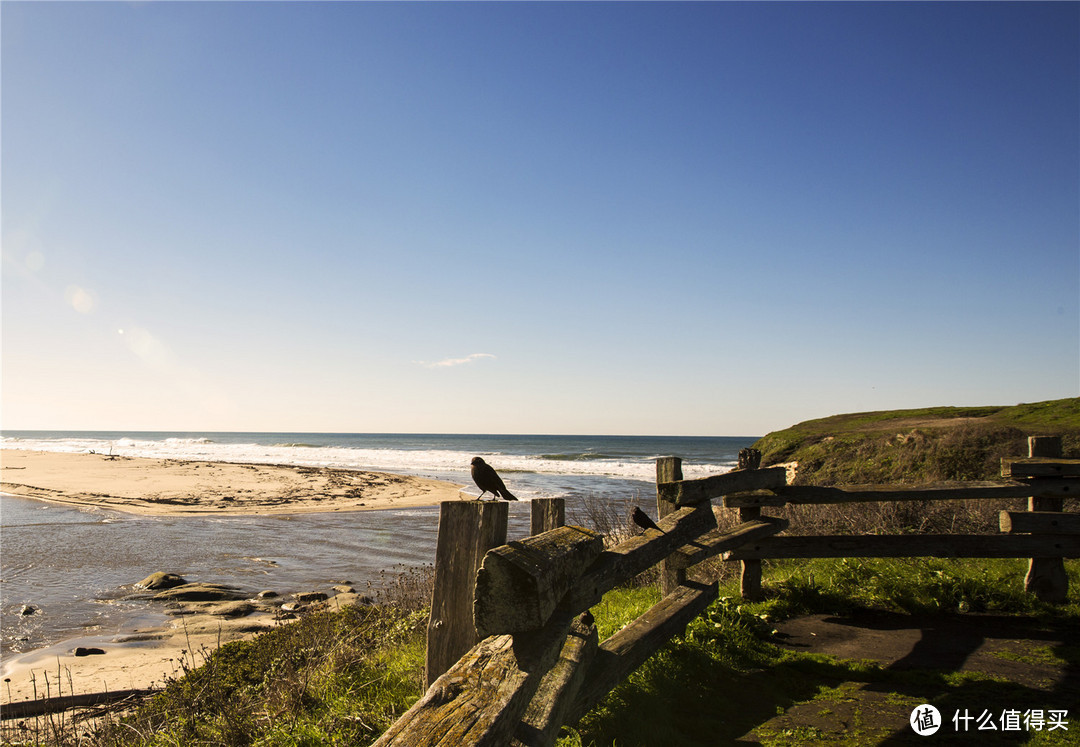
(513, 652)
(1043, 533)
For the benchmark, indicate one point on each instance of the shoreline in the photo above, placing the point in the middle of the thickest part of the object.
(138, 659)
(142, 657)
(185, 487)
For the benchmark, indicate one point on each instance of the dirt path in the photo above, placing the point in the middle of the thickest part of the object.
(980, 665)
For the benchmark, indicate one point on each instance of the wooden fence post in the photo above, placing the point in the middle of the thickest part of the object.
(750, 576)
(668, 469)
(1046, 577)
(547, 514)
(467, 530)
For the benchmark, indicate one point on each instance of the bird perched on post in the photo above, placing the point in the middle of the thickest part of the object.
(488, 480)
(642, 520)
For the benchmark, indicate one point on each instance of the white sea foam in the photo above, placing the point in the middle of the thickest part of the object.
(407, 461)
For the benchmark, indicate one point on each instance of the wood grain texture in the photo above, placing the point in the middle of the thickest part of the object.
(717, 542)
(668, 470)
(627, 559)
(520, 583)
(912, 546)
(817, 494)
(557, 693)
(482, 698)
(692, 492)
(1039, 522)
(1046, 577)
(467, 530)
(1040, 467)
(546, 514)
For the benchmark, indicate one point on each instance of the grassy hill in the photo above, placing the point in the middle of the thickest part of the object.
(915, 446)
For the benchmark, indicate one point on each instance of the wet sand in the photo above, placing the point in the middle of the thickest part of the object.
(138, 660)
(145, 658)
(177, 487)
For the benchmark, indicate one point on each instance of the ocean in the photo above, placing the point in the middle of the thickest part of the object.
(77, 565)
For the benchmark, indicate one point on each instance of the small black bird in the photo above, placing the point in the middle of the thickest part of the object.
(642, 520)
(488, 480)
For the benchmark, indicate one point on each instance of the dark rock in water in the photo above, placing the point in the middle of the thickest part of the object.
(344, 589)
(161, 580)
(199, 593)
(310, 596)
(268, 594)
(80, 651)
(28, 609)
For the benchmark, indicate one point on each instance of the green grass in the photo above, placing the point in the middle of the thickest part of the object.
(910, 585)
(332, 678)
(924, 445)
(720, 680)
(725, 678)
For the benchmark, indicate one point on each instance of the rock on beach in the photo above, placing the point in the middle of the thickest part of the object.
(231, 609)
(199, 592)
(81, 651)
(306, 597)
(159, 580)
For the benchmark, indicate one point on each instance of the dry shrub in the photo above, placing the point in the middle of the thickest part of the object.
(897, 517)
(607, 516)
(611, 518)
(972, 516)
(406, 588)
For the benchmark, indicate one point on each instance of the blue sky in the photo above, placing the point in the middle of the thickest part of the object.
(626, 218)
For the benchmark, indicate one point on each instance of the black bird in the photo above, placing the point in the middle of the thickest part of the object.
(642, 520)
(488, 480)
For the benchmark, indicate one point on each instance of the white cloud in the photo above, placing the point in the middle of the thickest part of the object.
(457, 361)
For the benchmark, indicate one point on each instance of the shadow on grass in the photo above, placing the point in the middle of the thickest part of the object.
(723, 684)
(683, 697)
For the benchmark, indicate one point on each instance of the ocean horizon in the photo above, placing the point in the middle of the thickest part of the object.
(630, 457)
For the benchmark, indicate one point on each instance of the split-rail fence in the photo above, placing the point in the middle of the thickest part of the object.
(513, 653)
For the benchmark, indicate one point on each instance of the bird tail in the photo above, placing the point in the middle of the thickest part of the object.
(506, 494)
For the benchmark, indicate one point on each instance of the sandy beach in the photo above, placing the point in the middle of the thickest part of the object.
(178, 487)
(138, 660)
(144, 658)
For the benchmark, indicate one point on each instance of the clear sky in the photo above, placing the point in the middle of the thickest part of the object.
(611, 218)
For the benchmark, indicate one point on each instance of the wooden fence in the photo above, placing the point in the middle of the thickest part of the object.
(513, 653)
